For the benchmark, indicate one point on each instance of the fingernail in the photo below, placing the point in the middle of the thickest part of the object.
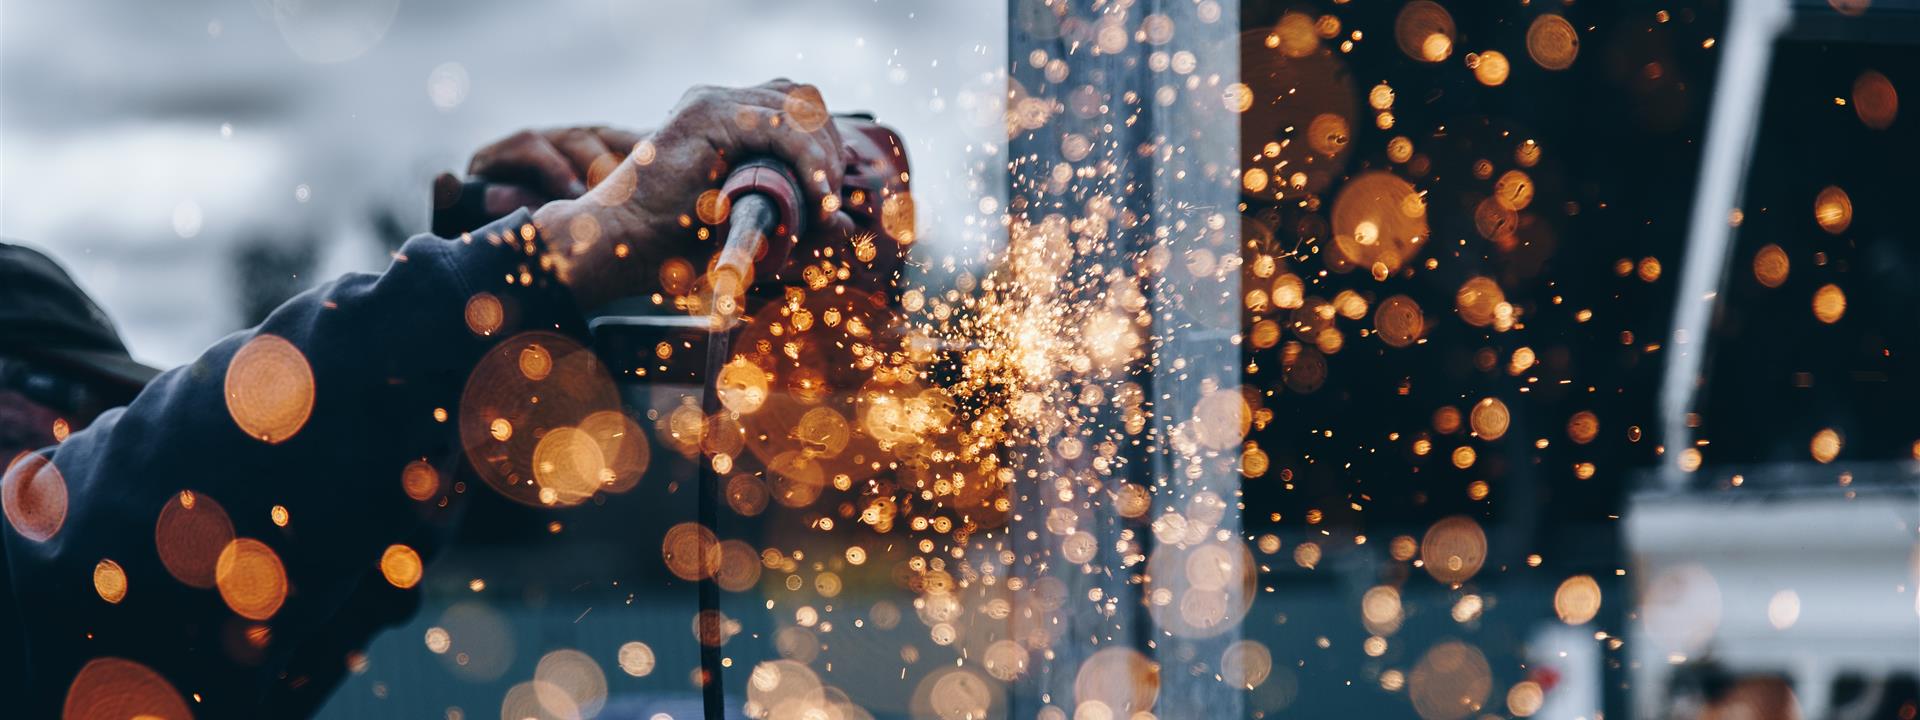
(577, 188)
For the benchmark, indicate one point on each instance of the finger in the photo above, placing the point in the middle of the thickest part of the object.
(621, 140)
(591, 158)
(804, 111)
(782, 86)
(807, 153)
(839, 149)
(806, 100)
(530, 158)
(839, 227)
(761, 112)
(802, 104)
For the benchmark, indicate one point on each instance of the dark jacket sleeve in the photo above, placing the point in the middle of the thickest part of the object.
(389, 355)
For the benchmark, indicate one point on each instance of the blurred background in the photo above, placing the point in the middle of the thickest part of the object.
(1649, 395)
(196, 163)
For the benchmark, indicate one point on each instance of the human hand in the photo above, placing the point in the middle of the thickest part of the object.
(604, 243)
(531, 168)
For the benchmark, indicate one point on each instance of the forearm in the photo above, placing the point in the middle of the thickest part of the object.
(387, 357)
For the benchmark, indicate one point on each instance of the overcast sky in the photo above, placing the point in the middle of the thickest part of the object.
(140, 140)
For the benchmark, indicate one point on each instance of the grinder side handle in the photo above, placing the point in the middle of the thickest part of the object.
(765, 220)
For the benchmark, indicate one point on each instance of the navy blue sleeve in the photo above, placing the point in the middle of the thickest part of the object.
(327, 496)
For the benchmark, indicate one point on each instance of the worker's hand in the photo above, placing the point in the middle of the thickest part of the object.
(531, 168)
(606, 243)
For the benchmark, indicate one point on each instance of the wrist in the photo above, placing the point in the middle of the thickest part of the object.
(592, 248)
(570, 233)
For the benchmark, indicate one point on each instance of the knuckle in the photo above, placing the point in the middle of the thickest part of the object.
(703, 103)
(521, 138)
(575, 135)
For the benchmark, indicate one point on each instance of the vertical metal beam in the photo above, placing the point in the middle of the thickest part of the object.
(1060, 33)
(1166, 161)
(1739, 91)
(1197, 320)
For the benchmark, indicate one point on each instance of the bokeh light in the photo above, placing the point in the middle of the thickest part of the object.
(1454, 549)
(1552, 42)
(270, 391)
(112, 688)
(33, 495)
(110, 581)
(1577, 600)
(569, 685)
(1425, 31)
(1451, 681)
(401, 566)
(1875, 100)
(190, 535)
(636, 659)
(1833, 210)
(251, 579)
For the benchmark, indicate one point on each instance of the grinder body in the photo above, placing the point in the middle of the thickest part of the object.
(773, 242)
(665, 355)
(874, 197)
